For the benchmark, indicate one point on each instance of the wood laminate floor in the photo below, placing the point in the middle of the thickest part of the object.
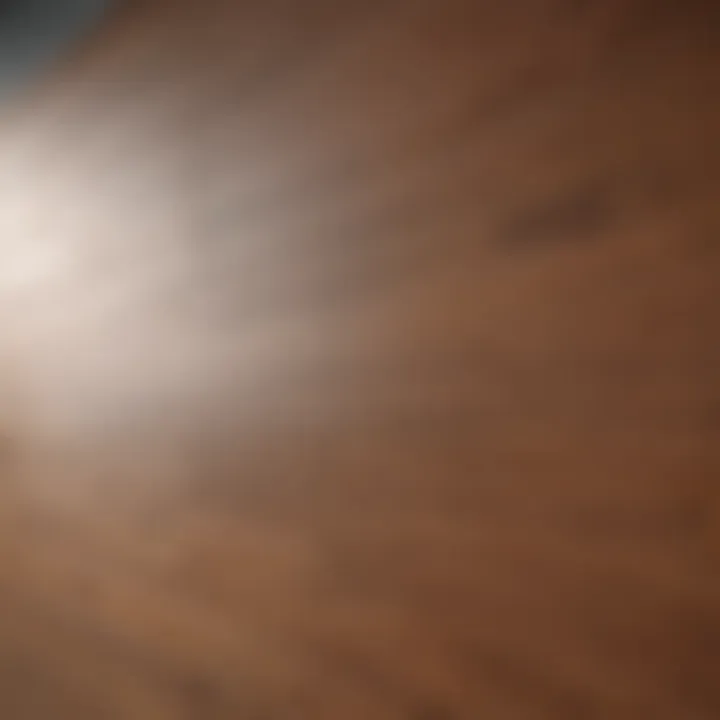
(360, 361)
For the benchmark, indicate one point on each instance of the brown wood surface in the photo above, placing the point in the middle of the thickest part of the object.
(359, 361)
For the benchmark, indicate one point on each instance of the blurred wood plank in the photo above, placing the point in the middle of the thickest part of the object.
(360, 360)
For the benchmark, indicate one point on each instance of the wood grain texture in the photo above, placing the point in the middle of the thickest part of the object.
(360, 360)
